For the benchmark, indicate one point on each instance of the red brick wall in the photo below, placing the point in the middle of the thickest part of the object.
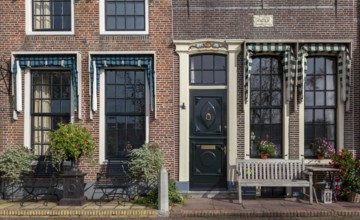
(13, 38)
(294, 20)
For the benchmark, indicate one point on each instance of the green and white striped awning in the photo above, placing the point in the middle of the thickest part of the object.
(43, 60)
(288, 62)
(344, 65)
(103, 61)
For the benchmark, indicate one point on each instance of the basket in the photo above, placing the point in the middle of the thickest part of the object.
(353, 197)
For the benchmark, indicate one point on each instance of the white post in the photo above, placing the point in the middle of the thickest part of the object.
(163, 196)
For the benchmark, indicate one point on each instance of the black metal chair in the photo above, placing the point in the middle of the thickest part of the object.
(42, 182)
(113, 181)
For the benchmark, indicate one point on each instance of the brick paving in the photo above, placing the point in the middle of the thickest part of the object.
(195, 207)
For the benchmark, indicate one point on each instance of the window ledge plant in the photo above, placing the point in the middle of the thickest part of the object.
(266, 148)
(322, 148)
(70, 142)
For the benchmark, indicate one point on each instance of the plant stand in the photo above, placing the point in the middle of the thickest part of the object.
(73, 189)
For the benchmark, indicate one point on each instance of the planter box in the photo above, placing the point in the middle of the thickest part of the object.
(353, 197)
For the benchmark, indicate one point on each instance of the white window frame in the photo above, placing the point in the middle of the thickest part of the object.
(340, 111)
(102, 22)
(29, 24)
(285, 121)
(102, 114)
(27, 103)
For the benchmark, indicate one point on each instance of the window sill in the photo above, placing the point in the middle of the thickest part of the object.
(49, 33)
(124, 32)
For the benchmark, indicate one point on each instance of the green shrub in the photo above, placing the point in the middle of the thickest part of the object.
(146, 162)
(151, 199)
(70, 142)
(14, 162)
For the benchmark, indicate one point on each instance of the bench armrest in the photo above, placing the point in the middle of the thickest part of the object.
(308, 173)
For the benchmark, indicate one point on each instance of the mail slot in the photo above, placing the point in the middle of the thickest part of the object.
(208, 147)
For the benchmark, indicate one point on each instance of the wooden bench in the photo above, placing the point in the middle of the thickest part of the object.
(273, 173)
(114, 180)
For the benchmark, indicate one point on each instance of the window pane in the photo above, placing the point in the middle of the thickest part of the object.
(220, 62)
(139, 23)
(130, 22)
(208, 77)
(320, 98)
(110, 8)
(220, 77)
(308, 116)
(319, 131)
(276, 99)
(330, 132)
(309, 132)
(330, 116)
(330, 98)
(265, 65)
(330, 66)
(255, 116)
(195, 62)
(65, 106)
(110, 91)
(130, 8)
(110, 105)
(276, 116)
(255, 98)
(255, 82)
(255, 67)
(139, 8)
(309, 99)
(276, 82)
(120, 105)
(330, 82)
(110, 23)
(309, 82)
(265, 82)
(265, 115)
(320, 82)
(320, 65)
(120, 91)
(120, 8)
(310, 66)
(120, 77)
(196, 77)
(208, 62)
(319, 116)
(120, 23)
(110, 77)
(265, 99)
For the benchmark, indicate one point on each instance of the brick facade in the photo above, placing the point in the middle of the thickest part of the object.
(87, 38)
(293, 21)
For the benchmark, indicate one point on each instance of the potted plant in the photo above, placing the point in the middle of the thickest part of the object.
(266, 148)
(15, 162)
(70, 142)
(322, 148)
(349, 177)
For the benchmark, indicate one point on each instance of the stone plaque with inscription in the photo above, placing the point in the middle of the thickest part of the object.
(263, 21)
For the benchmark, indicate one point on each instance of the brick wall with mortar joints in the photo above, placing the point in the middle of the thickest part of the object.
(296, 20)
(13, 38)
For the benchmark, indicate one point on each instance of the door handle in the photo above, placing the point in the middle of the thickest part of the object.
(224, 149)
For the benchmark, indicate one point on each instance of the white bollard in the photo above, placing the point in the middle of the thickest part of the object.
(163, 195)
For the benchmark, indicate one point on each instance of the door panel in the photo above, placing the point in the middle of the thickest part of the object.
(208, 140)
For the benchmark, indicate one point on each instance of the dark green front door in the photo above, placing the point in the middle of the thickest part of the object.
(208, 123)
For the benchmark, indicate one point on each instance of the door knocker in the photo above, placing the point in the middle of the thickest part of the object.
(208, 116)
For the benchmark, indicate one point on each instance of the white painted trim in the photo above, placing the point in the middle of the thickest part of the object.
(79, 85)
(340, 126)
(18, 87)
(102, 22)
(94, 89)
(27, 108)
(102, 117)
(29, 24)
(182, 48)
(285, 122)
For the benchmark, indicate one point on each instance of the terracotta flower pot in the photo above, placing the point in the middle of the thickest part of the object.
(264, 156)
(320, 157)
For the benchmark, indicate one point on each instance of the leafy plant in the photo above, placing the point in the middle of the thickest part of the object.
(151, 199)
(14, 162)
(322, 147)
(350, 172)
(70, 142)
(266, 147)
(146, 162)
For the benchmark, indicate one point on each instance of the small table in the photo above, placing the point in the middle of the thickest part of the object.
(318, 169)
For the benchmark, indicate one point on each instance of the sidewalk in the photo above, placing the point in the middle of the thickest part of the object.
(194, 207)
